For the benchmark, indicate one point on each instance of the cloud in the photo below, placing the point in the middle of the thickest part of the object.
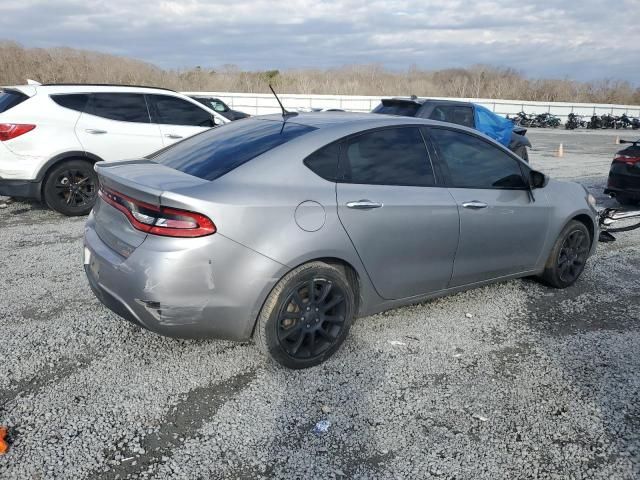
(581, 39)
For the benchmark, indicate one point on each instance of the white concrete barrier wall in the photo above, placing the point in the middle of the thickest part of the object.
(264, 103)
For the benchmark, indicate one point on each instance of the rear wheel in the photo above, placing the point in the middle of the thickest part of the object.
(71, 188)
(307, 316)
(568, 256)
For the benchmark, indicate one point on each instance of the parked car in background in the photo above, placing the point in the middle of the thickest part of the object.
(285, 228)
(219, 106)
(52, 135)
(624, 174)
(463, 113)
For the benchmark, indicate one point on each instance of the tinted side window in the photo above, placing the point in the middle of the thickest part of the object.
(76, 101)
(475, 163)
(453, 114)
(176, 111)
(324, 162)
(215, 152)
(395, 156)
(9, 99)
(124, 107)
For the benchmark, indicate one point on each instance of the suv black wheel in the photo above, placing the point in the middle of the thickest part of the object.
(568, 256)
(71, 187)
(307, 315)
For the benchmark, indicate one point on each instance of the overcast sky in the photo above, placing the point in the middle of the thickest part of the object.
(581, 39)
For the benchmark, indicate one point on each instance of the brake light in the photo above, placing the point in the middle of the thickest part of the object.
(13, 130)
(168, 222)
(627, 159)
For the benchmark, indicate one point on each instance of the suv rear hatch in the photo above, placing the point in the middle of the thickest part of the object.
(131, 202)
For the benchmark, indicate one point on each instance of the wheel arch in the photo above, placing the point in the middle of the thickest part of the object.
(62, 157)
(587, 221)
(351, 273)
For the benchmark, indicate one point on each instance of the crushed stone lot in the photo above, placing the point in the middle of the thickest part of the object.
(513, 380)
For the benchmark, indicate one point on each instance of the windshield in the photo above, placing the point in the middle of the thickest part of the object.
(219, 150)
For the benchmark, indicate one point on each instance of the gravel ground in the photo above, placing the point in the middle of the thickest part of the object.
(509, 381)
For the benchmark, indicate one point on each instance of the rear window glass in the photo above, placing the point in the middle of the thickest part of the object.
(9, 99)
(75, 101)
(405, 109)
(215, 152)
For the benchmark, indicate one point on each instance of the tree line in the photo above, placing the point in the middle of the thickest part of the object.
(60, 65)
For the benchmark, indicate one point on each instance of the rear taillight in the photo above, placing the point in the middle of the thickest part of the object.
(627, 159)
(13, 130)
(168, 222)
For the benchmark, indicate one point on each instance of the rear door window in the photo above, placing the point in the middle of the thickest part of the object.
(75, 101)
(453, 114)
(169, 110)
(215, 152)
(393, 156)
(10, 98)
(324, 162)
(124, 107)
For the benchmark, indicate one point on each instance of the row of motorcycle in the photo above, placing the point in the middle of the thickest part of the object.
(548, 120)
(603, 121)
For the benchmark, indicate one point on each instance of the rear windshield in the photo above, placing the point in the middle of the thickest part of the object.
(219, 150)
(405, 109)
(10, 98)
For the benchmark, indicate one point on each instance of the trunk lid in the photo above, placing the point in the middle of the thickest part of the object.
(143, 180)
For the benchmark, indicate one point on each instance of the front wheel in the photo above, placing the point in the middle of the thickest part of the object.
(71, 188)
(307, 316)
(568, 256)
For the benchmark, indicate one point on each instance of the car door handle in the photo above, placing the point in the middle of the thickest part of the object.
(95, 131)
(474, 205)
(172, 135)
(363, 204)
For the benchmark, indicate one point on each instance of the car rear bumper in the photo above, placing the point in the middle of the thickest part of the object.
(20, 188)
(210, 287)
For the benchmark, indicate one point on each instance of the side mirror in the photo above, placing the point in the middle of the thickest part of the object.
(538, 179)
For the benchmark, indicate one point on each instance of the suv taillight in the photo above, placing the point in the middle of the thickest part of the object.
(13, 130)
(168, 222)
(627, 159)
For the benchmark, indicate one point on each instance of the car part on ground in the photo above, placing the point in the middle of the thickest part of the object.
(45, 126)
(279, 250)
(612, 220)
(624, 174)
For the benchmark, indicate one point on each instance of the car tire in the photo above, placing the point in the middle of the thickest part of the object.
(523, 153)
(568, 256)
(71, 187)
(299, 330)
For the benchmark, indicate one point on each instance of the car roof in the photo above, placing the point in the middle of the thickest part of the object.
(89, 88)
(422, 101)
(352, 121)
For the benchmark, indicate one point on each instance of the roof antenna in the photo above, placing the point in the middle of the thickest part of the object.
(285, 112)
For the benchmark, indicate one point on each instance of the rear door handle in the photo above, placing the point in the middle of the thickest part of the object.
(172, 135)
(474, 205)
(364, 204)
(95, 131)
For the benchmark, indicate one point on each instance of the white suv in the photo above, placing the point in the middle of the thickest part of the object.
(51, 135)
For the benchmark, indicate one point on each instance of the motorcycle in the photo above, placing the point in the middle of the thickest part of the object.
(574, 121)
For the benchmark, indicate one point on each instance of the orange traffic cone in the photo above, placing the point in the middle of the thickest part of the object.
(4, 446)
(560, 152)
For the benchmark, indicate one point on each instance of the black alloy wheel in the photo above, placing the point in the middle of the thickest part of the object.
(311, 319)
(71, 188)
(573, 256)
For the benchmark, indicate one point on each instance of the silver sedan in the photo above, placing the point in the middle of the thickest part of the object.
(285, 229)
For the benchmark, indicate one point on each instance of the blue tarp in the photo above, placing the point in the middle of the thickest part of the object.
(495, 126)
